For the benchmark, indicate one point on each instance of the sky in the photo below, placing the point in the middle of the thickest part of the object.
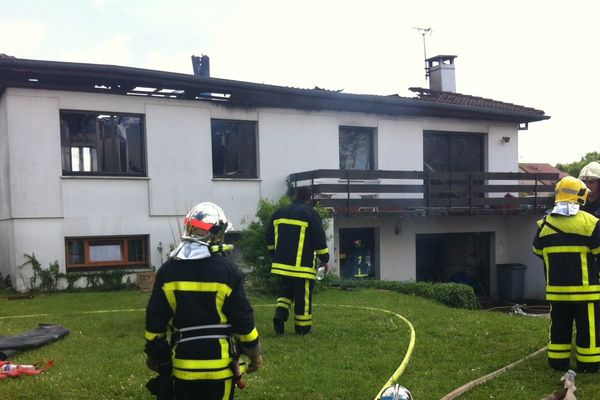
(540, 54)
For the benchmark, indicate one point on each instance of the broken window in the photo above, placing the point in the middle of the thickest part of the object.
(102, 144)
(234, 149)
(356, 148)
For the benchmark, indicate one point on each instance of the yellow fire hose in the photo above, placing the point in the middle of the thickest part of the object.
(396, 375)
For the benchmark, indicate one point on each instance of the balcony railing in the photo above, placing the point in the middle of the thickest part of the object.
(418, 193)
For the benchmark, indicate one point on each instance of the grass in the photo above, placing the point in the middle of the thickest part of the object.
(350, 354)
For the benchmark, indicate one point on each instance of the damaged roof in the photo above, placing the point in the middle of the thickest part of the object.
(111, 79)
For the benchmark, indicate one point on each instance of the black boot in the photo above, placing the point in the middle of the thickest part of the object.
(279, 326)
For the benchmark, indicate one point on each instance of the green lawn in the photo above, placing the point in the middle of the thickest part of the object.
(350, 355)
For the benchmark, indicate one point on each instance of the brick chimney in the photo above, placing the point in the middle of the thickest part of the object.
(441, 73)
(201, 65)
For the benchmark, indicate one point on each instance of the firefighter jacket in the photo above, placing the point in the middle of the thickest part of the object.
(294, 235)
(569, 246)
(592, 207)
(203, 303)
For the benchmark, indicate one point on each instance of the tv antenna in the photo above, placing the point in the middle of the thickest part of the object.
(423, 32)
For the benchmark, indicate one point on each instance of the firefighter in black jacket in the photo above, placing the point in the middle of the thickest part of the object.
(294, 234)
(199, 297)
(568, 241)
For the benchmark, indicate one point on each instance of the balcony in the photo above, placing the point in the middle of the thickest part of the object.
(351, 193)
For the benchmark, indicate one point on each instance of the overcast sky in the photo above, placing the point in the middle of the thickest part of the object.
(540, 54)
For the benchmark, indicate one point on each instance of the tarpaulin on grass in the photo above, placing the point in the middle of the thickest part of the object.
(43, 334)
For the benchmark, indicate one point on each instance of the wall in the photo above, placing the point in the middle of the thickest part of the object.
(179, 169)
(511, 243)
(5, 211)
(6, 226)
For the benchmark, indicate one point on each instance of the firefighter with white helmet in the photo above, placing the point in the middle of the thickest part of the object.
(568, 242)
(396, 392)
(199, 297)
(590, 175)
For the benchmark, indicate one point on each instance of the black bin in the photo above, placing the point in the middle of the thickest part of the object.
(511, 281)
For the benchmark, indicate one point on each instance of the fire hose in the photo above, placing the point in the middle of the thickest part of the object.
(400, 370)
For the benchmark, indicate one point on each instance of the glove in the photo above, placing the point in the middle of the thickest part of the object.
(255, 364)
(255, 355)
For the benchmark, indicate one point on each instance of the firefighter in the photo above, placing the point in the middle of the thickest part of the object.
(199, 297)
(357, 261)
(590, 175)
(294, 234)
(568, 241)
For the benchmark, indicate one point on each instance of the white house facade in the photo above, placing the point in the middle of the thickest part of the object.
(100, 163)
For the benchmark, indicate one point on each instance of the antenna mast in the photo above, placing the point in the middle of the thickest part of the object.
(422, 32)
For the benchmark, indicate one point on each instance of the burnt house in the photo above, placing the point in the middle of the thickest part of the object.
(99, 164)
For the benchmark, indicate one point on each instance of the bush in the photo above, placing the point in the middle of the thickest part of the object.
(455, 295)
(43, 280)
(254, 243)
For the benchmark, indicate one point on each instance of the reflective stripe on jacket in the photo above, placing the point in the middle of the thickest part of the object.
(569, 246)
(294, 235)
(203, 302)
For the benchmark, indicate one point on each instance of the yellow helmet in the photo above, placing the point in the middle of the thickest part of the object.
(572, 190)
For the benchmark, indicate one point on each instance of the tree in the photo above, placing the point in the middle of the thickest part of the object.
(574, 167)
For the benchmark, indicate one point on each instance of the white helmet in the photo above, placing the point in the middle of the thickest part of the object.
(396, 392)
(591, 170)
(206, 223)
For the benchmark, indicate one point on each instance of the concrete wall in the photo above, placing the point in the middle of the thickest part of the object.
(39, 207)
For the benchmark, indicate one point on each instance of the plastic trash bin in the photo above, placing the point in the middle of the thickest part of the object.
(511, 280)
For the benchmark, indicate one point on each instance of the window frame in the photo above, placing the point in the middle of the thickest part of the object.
(372, 142)
(143, 145)
(124, 263)
(450, 136)
(254, 173)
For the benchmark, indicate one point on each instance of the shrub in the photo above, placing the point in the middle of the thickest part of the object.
(254, 243)
(455, 295)
(43, 279)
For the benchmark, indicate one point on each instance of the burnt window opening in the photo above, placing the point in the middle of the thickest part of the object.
(102, 144)
(234, 149)
(357, 148)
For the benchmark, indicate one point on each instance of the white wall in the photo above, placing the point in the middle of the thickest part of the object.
(34, 148)
(6, 226)
(512, 243)
(4, 163)
(179, 154)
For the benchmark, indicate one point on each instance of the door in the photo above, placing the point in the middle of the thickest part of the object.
(358, 255)
(455, 257)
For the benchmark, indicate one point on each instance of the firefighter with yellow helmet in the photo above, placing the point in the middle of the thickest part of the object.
(590, 175)
(568, 242)
(199, 298)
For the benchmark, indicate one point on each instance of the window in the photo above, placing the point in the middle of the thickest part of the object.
(96, 253)
(102, 144)
(356, 148)
(452, 152)
(234, 149)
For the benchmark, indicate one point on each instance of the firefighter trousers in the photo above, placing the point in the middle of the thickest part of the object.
(587, 338)
(203, 389)
(296, 291)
